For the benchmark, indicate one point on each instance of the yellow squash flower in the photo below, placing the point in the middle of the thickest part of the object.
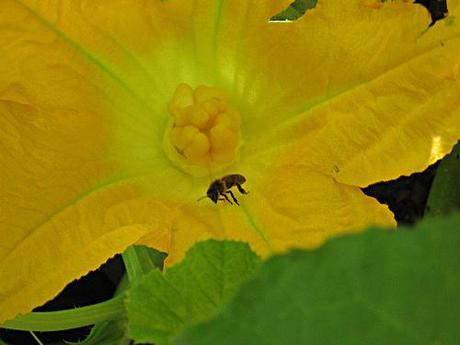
(116, 115)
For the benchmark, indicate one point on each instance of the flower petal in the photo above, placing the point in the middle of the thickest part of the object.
(287, 207)
(278, 70)
(397, 112)
(38, 262)
(70, 198)
(302, 209)
(297, 207)
(137, 44)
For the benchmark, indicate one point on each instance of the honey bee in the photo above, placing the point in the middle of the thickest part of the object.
(219, 189)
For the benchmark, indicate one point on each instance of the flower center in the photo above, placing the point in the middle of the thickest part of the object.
(205, 128)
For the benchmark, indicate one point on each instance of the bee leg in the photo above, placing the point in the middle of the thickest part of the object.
(240, 189)
(226, 198)
(233, 196)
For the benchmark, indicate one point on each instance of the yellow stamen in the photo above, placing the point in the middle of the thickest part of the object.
(221, 137)
(199, 118)
(183, 97)
(205, 128)
(181, 137)
(198, 147)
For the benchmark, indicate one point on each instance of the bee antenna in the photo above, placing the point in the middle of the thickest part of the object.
(203, 197)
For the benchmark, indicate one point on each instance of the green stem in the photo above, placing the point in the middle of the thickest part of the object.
(445, 191)
(112, 309)
(140, 260)
(36, 338)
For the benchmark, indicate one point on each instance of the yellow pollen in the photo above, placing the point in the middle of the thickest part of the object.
(198, 148)
(181, 137)
(205, 128)
(199, 118)
(221, 136)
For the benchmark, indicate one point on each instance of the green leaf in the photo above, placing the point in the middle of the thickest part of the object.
(445, 191)
(161, 305)
(378, 287)
(295, 10)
